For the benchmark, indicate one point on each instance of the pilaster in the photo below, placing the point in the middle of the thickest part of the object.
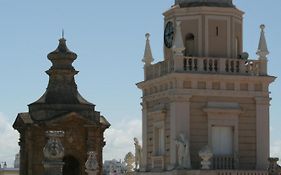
(179, 121)
(144, 137)
(91, 137)
(262, 132)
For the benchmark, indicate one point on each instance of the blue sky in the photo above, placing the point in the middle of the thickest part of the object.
(108, 37)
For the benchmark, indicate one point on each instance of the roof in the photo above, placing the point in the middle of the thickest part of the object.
(209, 3)
(61, 96)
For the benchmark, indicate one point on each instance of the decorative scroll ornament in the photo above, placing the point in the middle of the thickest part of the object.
(54, 150)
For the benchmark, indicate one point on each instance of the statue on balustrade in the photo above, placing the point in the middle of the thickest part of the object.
(183, 154)
(138, 153)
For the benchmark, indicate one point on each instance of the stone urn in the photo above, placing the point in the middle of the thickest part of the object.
(206, 155)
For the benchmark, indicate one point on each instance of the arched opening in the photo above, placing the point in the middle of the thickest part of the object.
(71, 166)
(189, 45)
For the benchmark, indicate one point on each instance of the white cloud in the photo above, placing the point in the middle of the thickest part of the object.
(8, 141)
(119, 139)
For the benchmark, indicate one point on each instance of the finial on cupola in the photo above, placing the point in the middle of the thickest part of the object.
(178, 46)
(62, 33)
(147, 58)
(262, 49)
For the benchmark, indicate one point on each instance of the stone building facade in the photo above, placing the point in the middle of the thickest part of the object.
(61, 108)
(207, 90)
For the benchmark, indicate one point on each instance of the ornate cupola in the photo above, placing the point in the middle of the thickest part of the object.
(61, 95)
(62, 88)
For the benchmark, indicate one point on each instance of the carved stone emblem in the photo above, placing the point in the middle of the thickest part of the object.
(54, 150)
(92, 166)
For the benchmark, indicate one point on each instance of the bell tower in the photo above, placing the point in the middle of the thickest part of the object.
(206, 94)
(204, 23)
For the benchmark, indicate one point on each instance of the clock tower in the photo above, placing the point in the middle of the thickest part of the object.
(206, 95)
(204, 23)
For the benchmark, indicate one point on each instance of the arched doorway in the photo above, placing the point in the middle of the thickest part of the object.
(71, 166)
(189, 45)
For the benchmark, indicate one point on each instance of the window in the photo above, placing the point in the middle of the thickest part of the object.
(189, 45)
(159, 141)
(222, 140)
(217, 31)
(223, 122)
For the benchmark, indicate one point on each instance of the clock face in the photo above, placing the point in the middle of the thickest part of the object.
(169, 35)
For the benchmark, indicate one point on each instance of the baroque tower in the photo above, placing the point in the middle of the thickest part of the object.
(206, 91)
(61, 108)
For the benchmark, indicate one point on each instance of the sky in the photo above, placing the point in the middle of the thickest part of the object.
(109, 38)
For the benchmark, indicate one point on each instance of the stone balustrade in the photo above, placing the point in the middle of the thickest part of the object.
(241, 172)
(223, 162)
(207, 172)
(204, 65)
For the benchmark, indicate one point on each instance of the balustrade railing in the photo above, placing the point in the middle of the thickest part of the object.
(159, 69)
(223, 162)
(220, 65)
(241, 172)
(204, 65)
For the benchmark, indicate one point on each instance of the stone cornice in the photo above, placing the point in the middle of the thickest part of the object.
(222, 110)
(206, 77)
(263, 100)
(186, 93)
(177, 11)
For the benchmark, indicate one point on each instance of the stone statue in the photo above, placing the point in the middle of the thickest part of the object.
(183, 153)
(206, 154)
(138, 151)
(17, 161)
(92, 167)
(129, 160)
(5, 165)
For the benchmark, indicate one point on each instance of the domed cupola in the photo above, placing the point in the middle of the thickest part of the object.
(211, 3)
(61, 96)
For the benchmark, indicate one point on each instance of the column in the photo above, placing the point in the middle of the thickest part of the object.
(262, 132)
(180, 123)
